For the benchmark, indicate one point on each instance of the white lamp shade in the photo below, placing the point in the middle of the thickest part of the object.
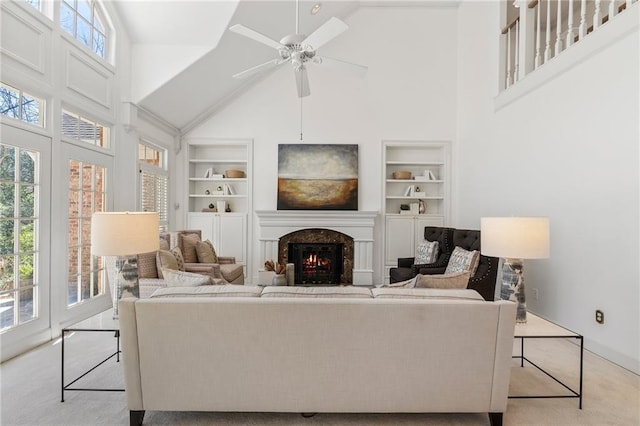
(515, 237)
(124, 233)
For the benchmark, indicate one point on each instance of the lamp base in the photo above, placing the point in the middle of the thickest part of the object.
(513, 287)
(126, 281)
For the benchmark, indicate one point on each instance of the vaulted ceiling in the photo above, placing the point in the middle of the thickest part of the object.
(184, 56)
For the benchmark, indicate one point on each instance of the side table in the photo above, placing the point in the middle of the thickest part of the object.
(539, 328)
(102, 322)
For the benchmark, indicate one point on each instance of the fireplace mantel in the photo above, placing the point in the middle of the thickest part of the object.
(359, 225)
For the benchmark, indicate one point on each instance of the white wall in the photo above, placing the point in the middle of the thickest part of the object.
(408, 93)
(567, 150)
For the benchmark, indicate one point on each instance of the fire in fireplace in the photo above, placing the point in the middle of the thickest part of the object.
(317, 263)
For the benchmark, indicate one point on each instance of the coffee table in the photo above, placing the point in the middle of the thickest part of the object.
(540, 328)
(102, 322)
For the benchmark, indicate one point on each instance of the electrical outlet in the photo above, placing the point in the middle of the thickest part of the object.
(599, 316)
(535, 293)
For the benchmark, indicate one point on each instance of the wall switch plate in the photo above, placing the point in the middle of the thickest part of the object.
(599, 316)
(535, 293)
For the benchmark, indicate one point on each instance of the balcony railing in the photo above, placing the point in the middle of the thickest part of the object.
(546, 28)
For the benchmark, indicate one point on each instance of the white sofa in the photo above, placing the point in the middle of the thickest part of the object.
(309, 350)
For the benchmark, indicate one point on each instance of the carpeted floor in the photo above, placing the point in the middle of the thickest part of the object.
(30, 393)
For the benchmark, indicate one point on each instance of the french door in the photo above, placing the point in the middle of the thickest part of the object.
(25, 206)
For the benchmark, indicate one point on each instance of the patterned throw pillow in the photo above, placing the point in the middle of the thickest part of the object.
(184, 279)
(177, 253)
(147, 265)
(426, 252)
(189, 245)
(206, 253)
(462, 260)
(456, 280)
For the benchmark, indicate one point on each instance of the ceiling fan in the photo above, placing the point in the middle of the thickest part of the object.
(300, 50)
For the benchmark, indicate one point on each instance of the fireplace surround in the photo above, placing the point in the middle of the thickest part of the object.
(358, 225)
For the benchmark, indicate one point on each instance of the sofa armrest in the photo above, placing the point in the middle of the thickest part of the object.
(226, 259)
(405, 262)
(211, 269)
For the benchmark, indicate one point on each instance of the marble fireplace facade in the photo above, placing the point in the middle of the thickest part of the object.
(355, 229)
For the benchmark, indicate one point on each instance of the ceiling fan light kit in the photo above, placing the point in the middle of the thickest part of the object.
(299, 50)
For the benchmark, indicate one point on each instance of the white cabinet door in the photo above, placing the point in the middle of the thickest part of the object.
(232, 234)
(205, 223)
(226, 231)
(400, 238)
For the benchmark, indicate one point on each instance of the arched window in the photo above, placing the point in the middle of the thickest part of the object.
(84, 20)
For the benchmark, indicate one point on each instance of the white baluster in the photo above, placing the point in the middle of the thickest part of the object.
(547, 48)
(596, 16)
(582, 30)
(508, 82)
(517, 56)
(559, 30)
(570, 33)
(537, 59)
(613, 10)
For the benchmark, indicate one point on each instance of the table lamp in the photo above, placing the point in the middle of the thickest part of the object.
(515, 239)
(123, 234)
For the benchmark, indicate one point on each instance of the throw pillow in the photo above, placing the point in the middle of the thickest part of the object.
(462, 260)
(147, 265)
(456, 280)
(205, 252)
(184, 279)
(215, 255)
(426, 252)
(411, 283)
(189, 247)
(166, 259)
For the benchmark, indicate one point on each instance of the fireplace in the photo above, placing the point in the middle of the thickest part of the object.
(316, 263)
(355, 229)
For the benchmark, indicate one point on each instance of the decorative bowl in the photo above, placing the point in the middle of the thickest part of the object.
(234, 174)
(401, 175)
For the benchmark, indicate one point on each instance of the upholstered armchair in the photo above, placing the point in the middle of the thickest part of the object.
(190, 243)
(484, 279)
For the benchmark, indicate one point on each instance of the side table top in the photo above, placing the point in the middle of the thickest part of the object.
(102, 321)
(540, 327)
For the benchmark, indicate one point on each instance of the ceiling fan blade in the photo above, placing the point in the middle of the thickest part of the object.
(359, 70)
(302, 82)
(248, 32)
(327, 31)
(246, 73)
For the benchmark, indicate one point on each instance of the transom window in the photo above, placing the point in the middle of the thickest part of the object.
(87, 194)
(154, 182)
(34, 3)
(14, 103)
(84, 21)
(19, 190)
(82, 129)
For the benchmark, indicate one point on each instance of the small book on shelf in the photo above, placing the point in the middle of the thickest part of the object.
(228, 189)
(216, 176)
(409, 191)
(432, 176)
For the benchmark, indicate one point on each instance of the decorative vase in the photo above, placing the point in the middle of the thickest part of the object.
(422, 207)
(279, 279)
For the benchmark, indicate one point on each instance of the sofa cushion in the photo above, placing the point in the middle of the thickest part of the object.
(329, 292)
(176, 278)
(426, 252)
(455, 280)
(206, 253)
(462, 260)
(425, 293)
(188, 244)
(226, 290)
(147, 265)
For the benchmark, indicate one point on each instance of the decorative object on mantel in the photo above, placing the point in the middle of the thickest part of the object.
(515, 239)
(124, 234)
(317, 177)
